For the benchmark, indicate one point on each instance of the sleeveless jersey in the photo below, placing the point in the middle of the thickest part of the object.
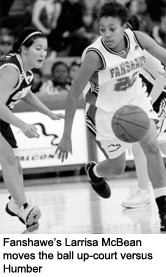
(118, 82)
(25, 79)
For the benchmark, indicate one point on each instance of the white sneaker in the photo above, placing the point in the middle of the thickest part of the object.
(12, 208)
(137, 200)
(27, 215)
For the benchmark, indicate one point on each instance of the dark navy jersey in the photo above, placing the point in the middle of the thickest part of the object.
(24, 82)
(19, 91)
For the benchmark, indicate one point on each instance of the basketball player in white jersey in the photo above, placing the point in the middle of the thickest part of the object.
(15, 83)
(154, 78)
(112, 65)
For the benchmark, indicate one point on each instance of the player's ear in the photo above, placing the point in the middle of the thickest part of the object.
(24, 49)
(125, 26)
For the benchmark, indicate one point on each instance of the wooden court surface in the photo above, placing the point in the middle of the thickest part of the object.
(72, 207)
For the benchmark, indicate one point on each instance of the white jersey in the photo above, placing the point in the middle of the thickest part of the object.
(118, 82)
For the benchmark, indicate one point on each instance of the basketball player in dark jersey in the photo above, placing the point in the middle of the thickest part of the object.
(15, 84)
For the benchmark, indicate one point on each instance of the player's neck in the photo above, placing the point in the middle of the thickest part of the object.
(25, 64)
(122, 47)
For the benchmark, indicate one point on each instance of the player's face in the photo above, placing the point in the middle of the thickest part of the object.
(37, 53)
(112, 32)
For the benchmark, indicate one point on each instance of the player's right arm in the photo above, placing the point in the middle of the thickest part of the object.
(9, 77)
(90, 64)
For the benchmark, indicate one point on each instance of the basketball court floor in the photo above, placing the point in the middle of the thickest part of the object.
(70, 206)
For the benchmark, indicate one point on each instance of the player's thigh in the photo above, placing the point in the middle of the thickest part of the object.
(6, 153)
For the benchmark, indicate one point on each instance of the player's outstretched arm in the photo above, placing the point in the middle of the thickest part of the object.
(90, 64)
(9, 78)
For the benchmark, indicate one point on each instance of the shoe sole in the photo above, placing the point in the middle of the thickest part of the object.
(33, 216)
(103, 194)
(33, 227)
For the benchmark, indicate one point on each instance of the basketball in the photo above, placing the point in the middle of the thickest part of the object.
(130, 123)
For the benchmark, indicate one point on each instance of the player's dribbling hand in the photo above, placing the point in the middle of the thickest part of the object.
(64, 148)
(56, 116)
(30, 131)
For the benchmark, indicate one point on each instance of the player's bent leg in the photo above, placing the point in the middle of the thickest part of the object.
(13, 179)
(99, 126)
(156, 171)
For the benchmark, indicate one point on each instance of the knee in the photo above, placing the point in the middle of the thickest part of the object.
(11, 161)
(152, 149)
(8, 159)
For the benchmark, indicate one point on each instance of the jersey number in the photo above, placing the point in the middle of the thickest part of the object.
(125, 82)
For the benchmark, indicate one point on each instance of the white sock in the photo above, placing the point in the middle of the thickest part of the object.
(95, 171)
(159, 192)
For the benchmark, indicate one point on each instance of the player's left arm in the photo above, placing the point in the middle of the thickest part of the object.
(151, 46)
(32, 100)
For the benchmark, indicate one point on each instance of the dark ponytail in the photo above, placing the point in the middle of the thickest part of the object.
(16, 47)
